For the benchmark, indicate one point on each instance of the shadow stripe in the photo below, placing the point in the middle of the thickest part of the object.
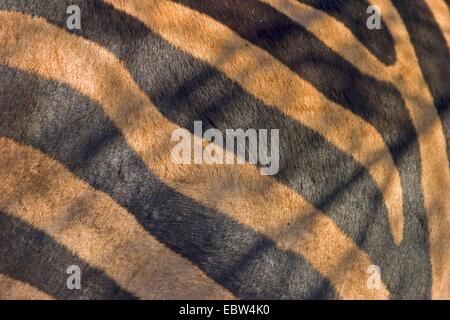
(185, 90)
(352, 13)
(33, 257)
(133, 112)
(376, 101)
(240, 117)
(433, 55)
(43, 193)
(271, 82)
(53, 118)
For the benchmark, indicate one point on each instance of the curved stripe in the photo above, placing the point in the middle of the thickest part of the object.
(416, 92)
(333, 33)
(395, 272)
(186, 90)
(411, 85)
(253, 69)
(408, 80)
(337, 37)
(353, 14)
(376, 101)
(95, 228)
(52, 118)
(31, 256)
(149, 134)
(11, 289)
(441, 12)
(422, 45)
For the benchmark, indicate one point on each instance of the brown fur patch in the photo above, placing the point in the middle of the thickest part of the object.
(11, 289)
(40, 191)
(238, 191)
(277, 86)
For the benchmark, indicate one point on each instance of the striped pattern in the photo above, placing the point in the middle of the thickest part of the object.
(85, 128)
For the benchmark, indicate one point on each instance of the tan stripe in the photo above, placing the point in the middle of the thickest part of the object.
(332, 32)
(239, 190)
(11, 289)
(408, 79)
(42, 192)
(272, 82)
(441, 12)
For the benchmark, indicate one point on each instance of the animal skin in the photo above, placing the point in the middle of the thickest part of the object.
(87, 179)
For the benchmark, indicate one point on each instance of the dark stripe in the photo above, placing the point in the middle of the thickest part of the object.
(186, 90)
(448, 3)
(433, 55)
(31, 256)
(377, 102)
(353, 14)
(60, 122)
